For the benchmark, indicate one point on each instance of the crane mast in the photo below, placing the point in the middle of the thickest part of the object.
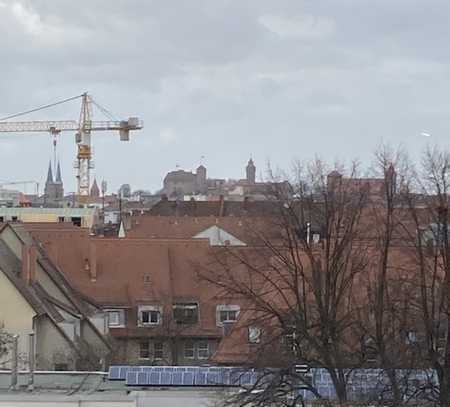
(83, 128)
(84, 155)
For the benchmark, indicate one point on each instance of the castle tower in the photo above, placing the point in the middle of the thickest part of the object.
(200, 178)
(250, 171)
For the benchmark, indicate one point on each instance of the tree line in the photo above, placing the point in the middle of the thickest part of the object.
(348, 272)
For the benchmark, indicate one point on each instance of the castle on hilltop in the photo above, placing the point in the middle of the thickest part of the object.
(181, 184)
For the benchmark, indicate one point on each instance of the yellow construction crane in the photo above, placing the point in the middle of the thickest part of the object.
(83, 129)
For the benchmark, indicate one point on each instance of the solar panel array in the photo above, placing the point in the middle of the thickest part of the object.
(183, 376)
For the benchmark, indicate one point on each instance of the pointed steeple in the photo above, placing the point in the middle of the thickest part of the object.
(58, 174)
(95, 191)
(49, 173)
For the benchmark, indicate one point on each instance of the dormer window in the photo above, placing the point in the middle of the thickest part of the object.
(185, 313)
(227, 314)
(149, 315)
(116, 318)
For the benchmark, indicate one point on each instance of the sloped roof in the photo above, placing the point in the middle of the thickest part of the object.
(34, 292)
(246, 230)
(214, 208)
(130, 272)
(11, 267)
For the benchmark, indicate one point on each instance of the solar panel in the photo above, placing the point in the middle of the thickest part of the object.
(154, 379)
(132, 378)
(142, 378)
(114, 372)
(212, 378)
(188, 379)
(183, 376)
(177, 378)
(200, 379)
(245, 379)
(166, 378)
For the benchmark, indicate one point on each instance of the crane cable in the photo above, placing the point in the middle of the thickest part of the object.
(105, 111)
(40, 108)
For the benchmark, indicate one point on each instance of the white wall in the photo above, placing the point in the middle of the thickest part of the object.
(16, 315)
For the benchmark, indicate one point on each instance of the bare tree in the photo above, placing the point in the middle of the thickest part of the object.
(387, 329)
(427, 231)
(298, 280)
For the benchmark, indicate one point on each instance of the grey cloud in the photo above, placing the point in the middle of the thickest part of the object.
(225, 79)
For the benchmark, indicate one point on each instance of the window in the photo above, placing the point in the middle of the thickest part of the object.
(369, 349)
(254, 334)
(61, 219)
(14, 218)
(113, 318)
(149, 315)
(203, 350)
(116, 318)
(411, 338)
(158, 350)
(227, 313)
(434, 234)
(185, 313)
(76, 220)
(189, 350)
(144, 350)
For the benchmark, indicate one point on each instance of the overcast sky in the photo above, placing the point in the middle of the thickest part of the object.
(224, 79)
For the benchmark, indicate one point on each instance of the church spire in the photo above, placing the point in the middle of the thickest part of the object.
(58, 174)
(49, 173)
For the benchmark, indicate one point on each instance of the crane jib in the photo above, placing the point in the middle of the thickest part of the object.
(69, 125)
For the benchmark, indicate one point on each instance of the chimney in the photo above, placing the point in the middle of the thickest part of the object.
(91, 262)
(245, 203)
(29, 259)
(222, 205)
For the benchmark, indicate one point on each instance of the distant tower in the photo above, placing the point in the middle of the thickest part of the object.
(59, 189)
(49, 174)
(54, 190)
(95, 191)
(201, 178)
(250, 172)
(58, 174)
(390, 177)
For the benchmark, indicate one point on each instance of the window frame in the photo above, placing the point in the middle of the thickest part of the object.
(147, 349)
(155, 351)
(183, 306)
(121, 316)
(227, 308)
(149, 308)
(205, 356)
(192, 346)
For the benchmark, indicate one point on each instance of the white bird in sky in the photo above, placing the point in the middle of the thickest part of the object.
(425, 134)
